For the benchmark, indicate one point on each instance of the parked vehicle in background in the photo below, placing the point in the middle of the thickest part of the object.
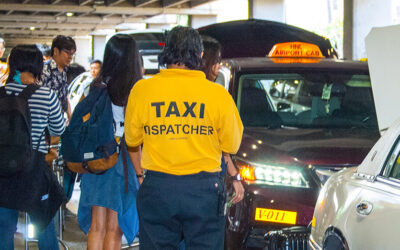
(305, 118)
(78, 87)
(256, 37)
(150, 43)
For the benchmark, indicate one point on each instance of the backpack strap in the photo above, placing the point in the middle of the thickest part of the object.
(47, 137)
(3, 92)
(124, 162)
(28, 91)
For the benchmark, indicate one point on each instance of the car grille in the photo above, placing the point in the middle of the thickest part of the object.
(293, 238)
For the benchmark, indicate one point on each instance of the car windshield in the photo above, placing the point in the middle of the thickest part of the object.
(316, 100)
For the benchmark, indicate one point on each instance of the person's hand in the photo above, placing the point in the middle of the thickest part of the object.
(140, 179)
(239, 191)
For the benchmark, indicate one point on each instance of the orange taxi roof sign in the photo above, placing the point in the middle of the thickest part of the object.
(295, 49)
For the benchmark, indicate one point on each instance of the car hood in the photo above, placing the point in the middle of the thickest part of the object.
(383, 57)
(298, 146)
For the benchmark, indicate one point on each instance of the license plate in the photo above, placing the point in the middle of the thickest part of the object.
(276, 216)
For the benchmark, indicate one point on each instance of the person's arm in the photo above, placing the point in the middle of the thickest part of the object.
(56, 118)
(135, 154)
(237, 185)
(69, 114)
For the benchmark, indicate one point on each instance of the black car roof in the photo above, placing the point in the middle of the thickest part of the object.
(258, 63)
(255, 37)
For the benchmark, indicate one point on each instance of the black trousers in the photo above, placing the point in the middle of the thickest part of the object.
(170, 206)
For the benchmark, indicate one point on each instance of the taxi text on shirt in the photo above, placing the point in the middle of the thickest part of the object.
(184, 121)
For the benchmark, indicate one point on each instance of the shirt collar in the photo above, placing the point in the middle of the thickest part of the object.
(53, 65)
(182, 72)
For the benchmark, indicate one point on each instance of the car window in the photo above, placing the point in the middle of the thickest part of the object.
(324, 99)
(392, 166)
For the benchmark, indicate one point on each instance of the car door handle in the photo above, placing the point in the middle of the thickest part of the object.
(364, 208)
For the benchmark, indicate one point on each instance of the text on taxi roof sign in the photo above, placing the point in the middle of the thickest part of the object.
(295, 49)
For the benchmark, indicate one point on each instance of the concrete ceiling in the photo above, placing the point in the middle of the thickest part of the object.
(49, 17)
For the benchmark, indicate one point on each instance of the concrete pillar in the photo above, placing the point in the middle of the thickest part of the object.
(83, 51)
(273, 10)
(251, 9)
(199, 21)
(348, 29)
(99, 43)
(368, 14)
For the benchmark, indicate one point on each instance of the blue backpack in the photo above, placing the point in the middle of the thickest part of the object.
(88, 143)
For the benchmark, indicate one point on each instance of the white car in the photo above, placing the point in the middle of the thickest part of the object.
(359, 208)
(80, 85)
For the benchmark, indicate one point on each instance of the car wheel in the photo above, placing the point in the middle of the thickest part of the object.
(333, 240)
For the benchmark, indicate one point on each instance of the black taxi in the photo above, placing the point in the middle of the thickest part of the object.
(305, 117)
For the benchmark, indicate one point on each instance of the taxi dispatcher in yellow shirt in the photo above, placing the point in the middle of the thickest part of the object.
(185, 123)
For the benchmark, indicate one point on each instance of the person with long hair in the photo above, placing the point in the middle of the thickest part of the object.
(210, 65)
(26, 64)
(105, 211)
(210, 62)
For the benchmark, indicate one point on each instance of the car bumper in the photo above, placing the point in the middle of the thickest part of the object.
(254, 233)
(313, 245)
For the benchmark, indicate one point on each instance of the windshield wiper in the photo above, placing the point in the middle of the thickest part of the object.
(288, 127)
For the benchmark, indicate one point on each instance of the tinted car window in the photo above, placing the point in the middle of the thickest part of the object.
(149, 42)
(315, 100)
(392, 165)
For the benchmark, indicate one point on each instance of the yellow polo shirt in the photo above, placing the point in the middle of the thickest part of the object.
(3, 73)
(183, 121)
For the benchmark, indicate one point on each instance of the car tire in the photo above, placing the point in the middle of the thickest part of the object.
(333, 240)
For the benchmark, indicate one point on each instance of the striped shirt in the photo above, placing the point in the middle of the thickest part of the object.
(45, 111)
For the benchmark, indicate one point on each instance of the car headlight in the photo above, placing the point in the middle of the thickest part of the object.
(272, 175)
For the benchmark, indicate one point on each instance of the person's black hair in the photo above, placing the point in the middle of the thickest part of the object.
(25, 58)
(63, 42)
(96, 61)
(121, 68)
(182, 46)
(74, 70)
(211, 55)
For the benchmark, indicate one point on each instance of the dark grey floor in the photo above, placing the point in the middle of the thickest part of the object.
(73, 237)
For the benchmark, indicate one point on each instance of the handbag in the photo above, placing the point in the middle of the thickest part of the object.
(36, 191)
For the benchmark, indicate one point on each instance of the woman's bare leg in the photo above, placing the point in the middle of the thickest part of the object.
(97, 229)
(113, 236)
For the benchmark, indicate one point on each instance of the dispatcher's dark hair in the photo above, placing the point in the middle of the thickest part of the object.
(211, 55)
(182, 46)
(63, 42)
(25, 58)
(121, 68)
